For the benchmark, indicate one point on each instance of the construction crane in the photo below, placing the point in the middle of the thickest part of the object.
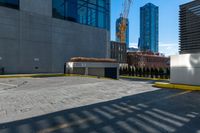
(121, 34)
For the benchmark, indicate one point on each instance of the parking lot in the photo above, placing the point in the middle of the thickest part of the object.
(80, 104)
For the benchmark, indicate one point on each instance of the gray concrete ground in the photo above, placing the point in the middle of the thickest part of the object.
(77, 104)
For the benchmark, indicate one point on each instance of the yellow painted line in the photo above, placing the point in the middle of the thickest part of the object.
(66, 125)
(178, 94)
(168, 97)
(177, 86)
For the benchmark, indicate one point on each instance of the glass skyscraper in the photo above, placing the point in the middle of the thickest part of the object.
(89, 12)
(148, 28)
(118, 21)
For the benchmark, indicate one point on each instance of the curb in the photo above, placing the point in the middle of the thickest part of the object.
(143, 78)
(33, 75)
(47, 75)
(176, 86)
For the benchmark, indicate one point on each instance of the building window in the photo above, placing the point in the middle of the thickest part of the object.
(89, 12)
(10, 3)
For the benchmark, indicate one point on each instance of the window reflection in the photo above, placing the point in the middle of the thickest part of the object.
(10, 3)
(90, 12)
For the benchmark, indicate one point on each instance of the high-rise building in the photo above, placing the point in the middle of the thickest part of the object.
(148, 28)
(40, 36)
(190, 27)
(126, 33)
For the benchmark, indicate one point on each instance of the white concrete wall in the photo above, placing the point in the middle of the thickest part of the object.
(185, 69)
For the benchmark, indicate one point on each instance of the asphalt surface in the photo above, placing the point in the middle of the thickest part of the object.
(89, 105)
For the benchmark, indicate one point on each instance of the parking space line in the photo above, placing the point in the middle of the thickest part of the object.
(8, 84)
(66, 125)
(169, 97)
(178, 94)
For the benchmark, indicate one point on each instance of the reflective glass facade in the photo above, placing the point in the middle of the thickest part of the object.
(89, 12)
(10, 3)
(148, 28)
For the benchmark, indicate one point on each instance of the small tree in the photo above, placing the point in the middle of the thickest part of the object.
(136, 71)
(144, 72)
(152, 73)
(129, 70)
(168, 73)
(147, 72)
(140, 72)
(124, 70)
(161, 73)
(156, 72)
(133, 71)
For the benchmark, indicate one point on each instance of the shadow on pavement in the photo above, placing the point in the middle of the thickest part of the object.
(151, 112)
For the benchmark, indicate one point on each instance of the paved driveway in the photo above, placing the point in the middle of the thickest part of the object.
(75, 104)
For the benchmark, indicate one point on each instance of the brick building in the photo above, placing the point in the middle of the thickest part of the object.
(147, 60)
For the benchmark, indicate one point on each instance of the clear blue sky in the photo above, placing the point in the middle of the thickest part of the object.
(168, 22)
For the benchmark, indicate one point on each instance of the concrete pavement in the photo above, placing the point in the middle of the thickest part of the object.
(75, 104)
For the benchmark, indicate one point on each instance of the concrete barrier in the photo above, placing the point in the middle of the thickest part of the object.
(185, 69)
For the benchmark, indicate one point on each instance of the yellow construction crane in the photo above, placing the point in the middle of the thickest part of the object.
(124, 17)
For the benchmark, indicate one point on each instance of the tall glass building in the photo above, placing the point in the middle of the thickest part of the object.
(118, 22)
(148, 28)
(89, 12)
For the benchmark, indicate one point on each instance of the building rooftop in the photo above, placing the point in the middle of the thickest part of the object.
(84, 59)
(147, 54)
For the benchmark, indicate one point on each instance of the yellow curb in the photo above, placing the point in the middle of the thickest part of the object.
(47, 75)
(176, 86)
(144, 78)
(33, 75)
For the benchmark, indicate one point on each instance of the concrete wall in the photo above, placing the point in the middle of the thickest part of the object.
(185, 69)
(79, 70)
(42, 7)
(96, 72)
(9, 38)
(91, 71)
(71, 39)
(91, 68)
(30, 38)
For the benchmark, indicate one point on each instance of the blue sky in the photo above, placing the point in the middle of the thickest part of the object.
(168, 22)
